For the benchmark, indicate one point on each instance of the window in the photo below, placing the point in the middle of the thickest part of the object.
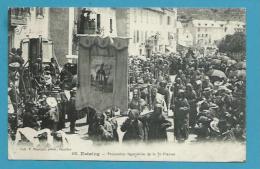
(137, 36)
(141, 13)
(161, 19)
(98, 22)
(206, 35)
(168, 20)
(111, 25)
(225, 29)
(199, 24)
(39, 12)
(135, 17)
(142, 36)
(187, 36)
(134, 36)
(212, 24)
(147, 18)
(221, 25)
(198, 29)
(27, 11)
(198, 35)
(206, 24)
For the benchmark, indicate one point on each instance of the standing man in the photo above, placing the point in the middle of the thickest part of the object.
(72, 112)
(165, 92)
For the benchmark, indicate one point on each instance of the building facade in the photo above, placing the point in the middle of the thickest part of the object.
(207, 33)
(184, 36)
(150, 29)
(49, 25)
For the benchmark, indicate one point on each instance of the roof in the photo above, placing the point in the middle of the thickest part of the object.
(208, 23)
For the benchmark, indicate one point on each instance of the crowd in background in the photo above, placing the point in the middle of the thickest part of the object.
(204, 96)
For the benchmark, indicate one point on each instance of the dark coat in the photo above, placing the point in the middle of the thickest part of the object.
(133, 130)
(181, 119)
(157, 126)
(72, 112)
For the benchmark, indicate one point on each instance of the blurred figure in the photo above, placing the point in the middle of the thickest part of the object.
(111, 119)
(102, 129)
(133, 127)
(157, 124)
(181, 118)
(72, 112)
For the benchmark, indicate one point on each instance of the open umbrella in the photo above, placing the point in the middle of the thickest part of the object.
(223, 57)
(241, 65)
(231, 62)
(238, 73)
(216, 61)
(142, 58)
(217, 73)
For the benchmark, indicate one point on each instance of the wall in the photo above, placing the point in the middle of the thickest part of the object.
(58, 32)
(146, 22)
(35, 26)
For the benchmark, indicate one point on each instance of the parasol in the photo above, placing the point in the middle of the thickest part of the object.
(238, 73)
(216, 61)
(223, 57)
(231, 62)
(241, 65)
(217, 73)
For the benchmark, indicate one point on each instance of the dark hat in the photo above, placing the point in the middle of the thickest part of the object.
(207, 89)
(203, 119)
(181, 91)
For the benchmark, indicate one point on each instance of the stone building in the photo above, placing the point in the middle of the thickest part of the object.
(150, 29)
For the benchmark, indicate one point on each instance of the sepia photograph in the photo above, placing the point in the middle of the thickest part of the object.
(127, 84)
(102, 73)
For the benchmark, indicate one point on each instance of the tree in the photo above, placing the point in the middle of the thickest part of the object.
(234, 45)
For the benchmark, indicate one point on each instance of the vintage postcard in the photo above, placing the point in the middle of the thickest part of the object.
(127, 84)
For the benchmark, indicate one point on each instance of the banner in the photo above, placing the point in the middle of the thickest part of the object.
(102, 73)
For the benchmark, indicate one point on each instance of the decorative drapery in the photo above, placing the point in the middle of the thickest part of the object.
(102, 73)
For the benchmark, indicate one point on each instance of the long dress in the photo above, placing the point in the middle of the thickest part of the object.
(192, 98)
(133, 130)
(157, 128)
(181, 120)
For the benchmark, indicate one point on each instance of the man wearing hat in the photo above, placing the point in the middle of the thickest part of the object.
(72, 112)
(206, 83)
(165, 92)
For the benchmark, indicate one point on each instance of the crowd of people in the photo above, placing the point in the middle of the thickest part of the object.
(40, 96)
(204, 96)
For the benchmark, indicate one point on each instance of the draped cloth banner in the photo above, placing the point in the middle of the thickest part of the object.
(102, 73)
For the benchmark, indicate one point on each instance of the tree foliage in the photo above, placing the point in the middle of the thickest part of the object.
(235, 43)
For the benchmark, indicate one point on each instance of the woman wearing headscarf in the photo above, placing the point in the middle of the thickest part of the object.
(181, 119)
(102, 129)
(133, 127)
(192, 98)
(157, 124)
(137, 102)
